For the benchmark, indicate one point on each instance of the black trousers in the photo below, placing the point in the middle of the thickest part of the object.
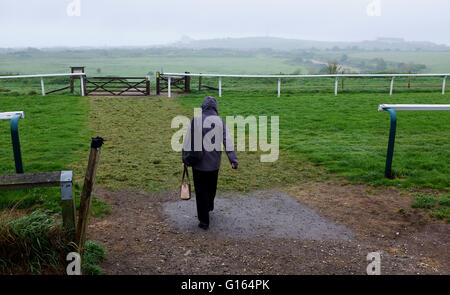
(205, 183)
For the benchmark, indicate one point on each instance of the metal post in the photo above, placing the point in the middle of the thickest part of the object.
(169, 79)
(42, 86)
(443, 85)
(391, 143)
(16, 143)
(82, 85)
(336, 86)
(279, 87)
(68, 202)
(392, 86)
(220, 86)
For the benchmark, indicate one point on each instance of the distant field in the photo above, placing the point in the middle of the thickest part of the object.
(140, 66)
(436, 62)
(136, 62)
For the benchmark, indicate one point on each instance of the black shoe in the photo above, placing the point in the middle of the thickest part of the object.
(204, 226)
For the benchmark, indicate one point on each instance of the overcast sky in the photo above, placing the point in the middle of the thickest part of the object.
(47, 23)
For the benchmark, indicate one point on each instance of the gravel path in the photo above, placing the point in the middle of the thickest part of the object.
(261, 213)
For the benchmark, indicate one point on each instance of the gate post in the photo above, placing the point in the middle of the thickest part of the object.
(158, 84)
(147, 85)
(71, 84)
(187, 83)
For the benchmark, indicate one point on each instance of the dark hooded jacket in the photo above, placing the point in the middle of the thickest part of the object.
(211, 159)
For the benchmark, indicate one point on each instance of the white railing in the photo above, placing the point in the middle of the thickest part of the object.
(42, 76)
(279, 77)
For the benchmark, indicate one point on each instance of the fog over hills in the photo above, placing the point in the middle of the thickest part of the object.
(275, 43)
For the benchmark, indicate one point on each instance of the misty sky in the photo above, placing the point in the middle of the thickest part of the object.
(46, 23)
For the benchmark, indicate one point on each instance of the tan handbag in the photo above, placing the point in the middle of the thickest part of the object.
(185, 190)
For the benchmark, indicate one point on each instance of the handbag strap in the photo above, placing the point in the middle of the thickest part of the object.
(185, 172)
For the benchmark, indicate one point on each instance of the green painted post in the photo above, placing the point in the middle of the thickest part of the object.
(16, 143)
(390, 151)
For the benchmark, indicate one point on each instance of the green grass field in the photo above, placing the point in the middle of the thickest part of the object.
(321, 137)
(141, 65)
(346, 134)
(54, 136)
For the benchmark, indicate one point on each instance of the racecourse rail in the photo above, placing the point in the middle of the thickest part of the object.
(42, 76)
(391, 108)
(220, 76)
(279, 77)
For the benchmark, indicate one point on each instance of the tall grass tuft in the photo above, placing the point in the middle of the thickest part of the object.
(33, 244)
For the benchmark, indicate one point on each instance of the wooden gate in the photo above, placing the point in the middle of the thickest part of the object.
(162, 82)
(126, 86)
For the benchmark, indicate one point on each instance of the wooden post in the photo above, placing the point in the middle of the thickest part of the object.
(147, 85)
(187, 83)
(86, 200)
(409, 81)
(71, 84)
(158, 85)
(200, 83)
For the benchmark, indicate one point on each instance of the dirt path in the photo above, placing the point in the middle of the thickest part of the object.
(318, 228)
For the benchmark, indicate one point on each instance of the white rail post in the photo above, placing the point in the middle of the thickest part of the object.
(82, 85)
(279, 87)
(392, 86)
(168, 86)
(443, 85)
(42, 86)
(220, 86)
(336, 86)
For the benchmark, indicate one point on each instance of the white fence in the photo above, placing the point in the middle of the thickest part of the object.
(279, 77)
(42, 76)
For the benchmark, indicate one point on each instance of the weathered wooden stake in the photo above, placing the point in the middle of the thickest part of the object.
(86, 200)
(72, 84)
(200, 83)
(158, 84)
(187, 83)
(147, 85)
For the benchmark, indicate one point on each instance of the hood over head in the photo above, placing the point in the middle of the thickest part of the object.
(210, 103)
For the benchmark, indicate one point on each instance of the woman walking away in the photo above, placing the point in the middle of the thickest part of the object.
(205, 156)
